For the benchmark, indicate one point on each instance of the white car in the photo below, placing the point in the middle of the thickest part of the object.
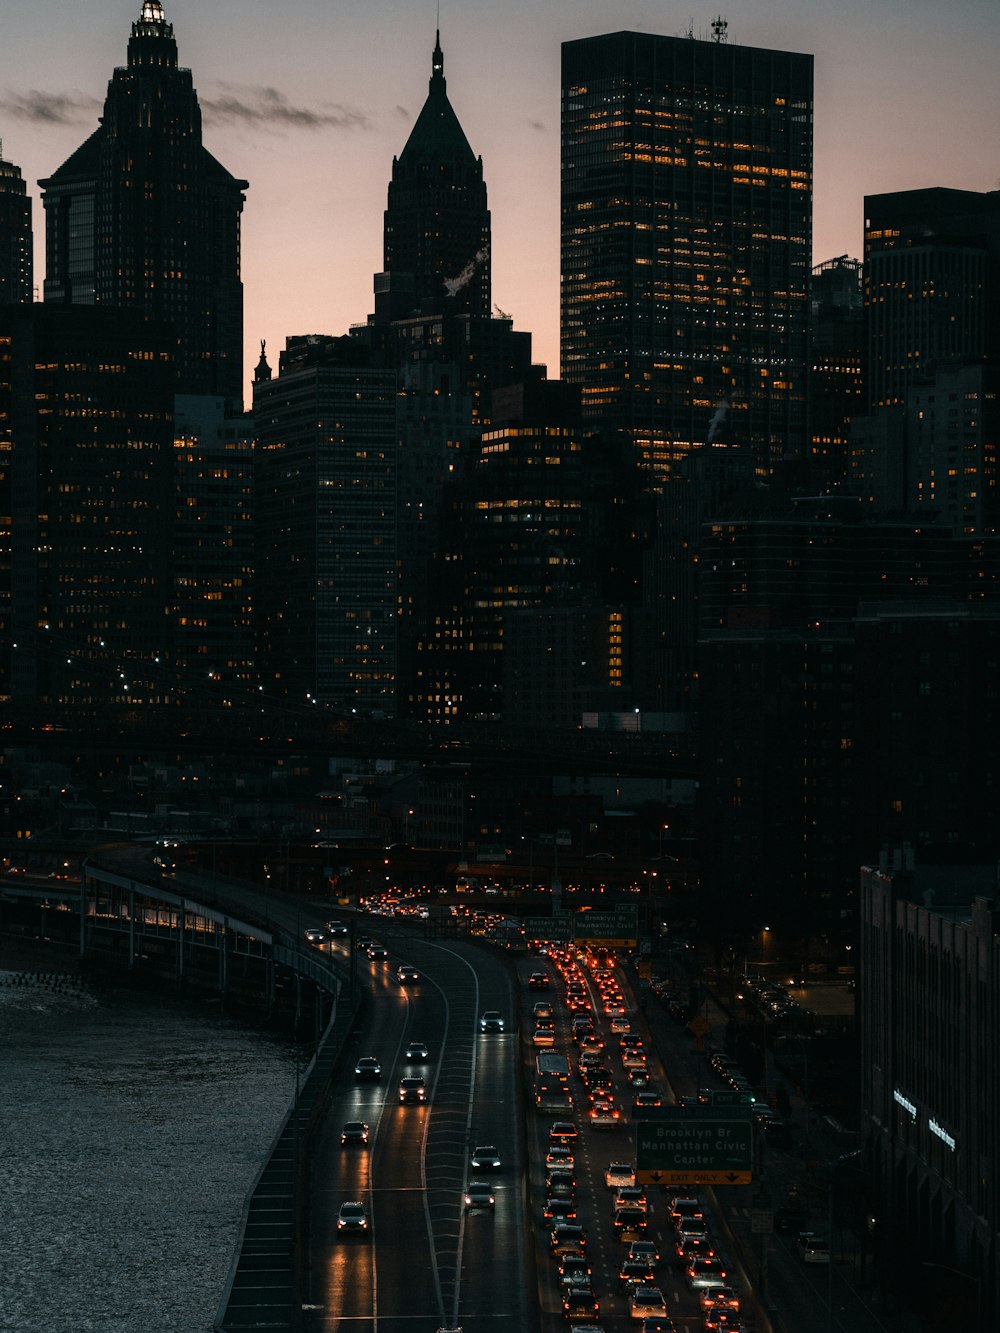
(491, 1021)
(619, 1174)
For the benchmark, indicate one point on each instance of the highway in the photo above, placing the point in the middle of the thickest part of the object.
(425, 1262)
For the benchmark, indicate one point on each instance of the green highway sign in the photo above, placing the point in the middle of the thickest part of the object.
(619, 928)
(723, 1097)
(559, 927)
(678, 1148)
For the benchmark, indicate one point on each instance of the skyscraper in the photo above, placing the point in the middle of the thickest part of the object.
(324, 526)
(931, 439)
(143, 216)
(15, 236)
(686, 238)
(437, 223)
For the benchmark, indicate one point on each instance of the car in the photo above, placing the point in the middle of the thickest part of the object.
(479, 1194)
(559, 1210)
(646, 1101)
(406, 975)
(633, 1059)
(693, 1226)
(538, 981)
(561, 1154)
(354, 1131)
(352, 1219)
(629, 1224)
(646, 1303)
(561, 1187)
(719, 1298)
(620, 1025)
(315, 936)
(658, 1324)
(491, 1021)
(412, 1090)
(635, 1273)
(690, 1248)
(618, 1174)
(486, 1157)
(416, 1053)
(604, 1115)
(568, 1238)
(562, 1131)
(638, 1078)
(684, 1205)
(812, 1248)
(631, 1196)
(706, 1273)
(574, 1267)
(544, 1037)
(376, 952)
(337, 928)
(647, 1250)
(367, 1069)
(580, 1303)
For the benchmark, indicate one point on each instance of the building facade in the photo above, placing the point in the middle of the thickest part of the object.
(325, 527)
(142, 216)
(16, 283)
(686, 243)
(86, 412)
(929, 1006)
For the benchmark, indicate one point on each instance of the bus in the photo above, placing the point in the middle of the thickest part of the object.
(552, 1065)
(552, 1096)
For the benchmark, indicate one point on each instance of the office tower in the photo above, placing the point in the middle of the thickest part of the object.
(686, 237)
(92, 508)
(437, 223)
(325, 523)
(930, 439)
(212, 566)
(142, 216)
(836, 393)
(15, 236)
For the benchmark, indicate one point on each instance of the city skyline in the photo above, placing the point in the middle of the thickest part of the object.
(300, 109)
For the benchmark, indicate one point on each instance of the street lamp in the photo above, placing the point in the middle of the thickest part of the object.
(664, 828)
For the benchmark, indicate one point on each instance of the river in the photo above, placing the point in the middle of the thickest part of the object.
(131, 1127)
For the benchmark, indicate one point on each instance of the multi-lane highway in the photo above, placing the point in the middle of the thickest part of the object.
(423, 1261)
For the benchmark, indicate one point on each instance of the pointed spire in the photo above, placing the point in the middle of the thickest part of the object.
(438, 83)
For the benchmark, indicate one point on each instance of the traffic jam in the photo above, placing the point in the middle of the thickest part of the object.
(618, 1253)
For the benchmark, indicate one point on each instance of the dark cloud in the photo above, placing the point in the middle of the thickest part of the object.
(49, 108)
(268, 108)
(537, 125)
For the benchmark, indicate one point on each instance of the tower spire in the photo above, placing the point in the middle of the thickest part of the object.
(437, 65)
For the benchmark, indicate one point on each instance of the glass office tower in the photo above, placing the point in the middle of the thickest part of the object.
(686, 243)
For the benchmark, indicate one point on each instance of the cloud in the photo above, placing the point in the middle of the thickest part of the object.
(267, 108)
(537, 125)
(49, 108)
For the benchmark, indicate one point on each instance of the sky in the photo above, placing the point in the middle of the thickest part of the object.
(310, 100)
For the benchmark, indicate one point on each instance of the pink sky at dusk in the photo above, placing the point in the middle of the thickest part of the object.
(310, 101)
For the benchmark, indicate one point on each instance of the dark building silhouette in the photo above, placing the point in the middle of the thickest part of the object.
(929, 976)
(836, 392)
(686, 238)
(929, 441)
(15, 236)
(325, 526)
(142, 216)
(212, 566)
(92, 498)
(437, 223)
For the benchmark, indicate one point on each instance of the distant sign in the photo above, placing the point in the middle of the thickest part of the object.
(558, 927)
(684, 1146)
(617, 929)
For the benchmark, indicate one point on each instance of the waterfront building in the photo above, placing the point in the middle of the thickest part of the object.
(686, 243)
(142, 216)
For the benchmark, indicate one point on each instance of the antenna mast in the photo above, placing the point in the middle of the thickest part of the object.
(720, 28)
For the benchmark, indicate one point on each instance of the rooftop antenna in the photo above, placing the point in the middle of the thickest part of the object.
(720, 27)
